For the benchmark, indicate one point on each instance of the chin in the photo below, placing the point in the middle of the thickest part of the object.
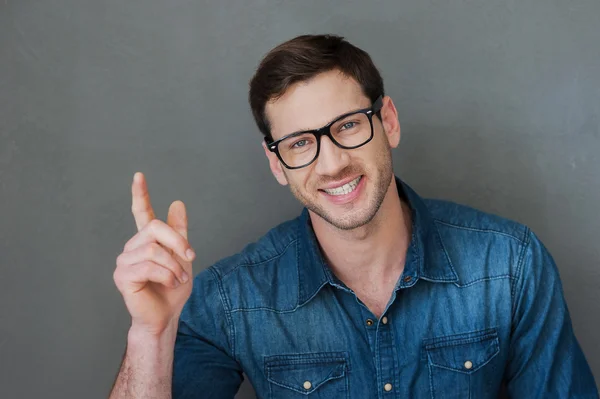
(349, 220)
(351, 223)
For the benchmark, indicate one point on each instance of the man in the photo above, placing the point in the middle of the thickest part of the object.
(372, 292)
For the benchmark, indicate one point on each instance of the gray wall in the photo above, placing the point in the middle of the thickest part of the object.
(499, 103)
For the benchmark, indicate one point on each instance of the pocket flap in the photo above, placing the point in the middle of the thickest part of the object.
(305, 373)
(465, 353)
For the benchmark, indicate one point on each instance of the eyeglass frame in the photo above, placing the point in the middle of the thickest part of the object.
(273, 146)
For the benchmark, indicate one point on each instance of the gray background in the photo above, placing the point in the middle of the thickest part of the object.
(499, 103)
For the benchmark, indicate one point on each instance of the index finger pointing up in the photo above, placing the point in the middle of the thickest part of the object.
(140, 201)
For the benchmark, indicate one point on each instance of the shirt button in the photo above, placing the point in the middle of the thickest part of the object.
(384, 320)
(407, 279)
(307, 385)
(369, 322)
(468, 364)
(387, 387)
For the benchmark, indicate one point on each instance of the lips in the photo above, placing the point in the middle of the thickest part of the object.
(346, 193)
(343, 189)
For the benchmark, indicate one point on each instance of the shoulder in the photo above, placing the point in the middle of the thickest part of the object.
(264, 274)
(265, 249)
(459, 217)
(480, 245)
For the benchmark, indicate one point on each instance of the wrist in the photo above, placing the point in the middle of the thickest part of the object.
(139, 336)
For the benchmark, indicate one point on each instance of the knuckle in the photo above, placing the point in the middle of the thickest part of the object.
(183, 245)
(153, 250)
(154, 224)
(174, 263)
(119, 260)
(144, 269)
(127, 245)
(117, 277)
(135, 209)
(171, 280)
(166, 277)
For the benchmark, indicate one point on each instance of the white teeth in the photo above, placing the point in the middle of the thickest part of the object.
(345, 189)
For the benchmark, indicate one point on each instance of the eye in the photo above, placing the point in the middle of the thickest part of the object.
(300, 143)
(347, 125)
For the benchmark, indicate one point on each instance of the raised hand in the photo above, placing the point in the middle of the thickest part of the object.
(154, 271)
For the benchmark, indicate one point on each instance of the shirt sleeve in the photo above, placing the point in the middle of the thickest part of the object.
(545, 360)
(204, 365)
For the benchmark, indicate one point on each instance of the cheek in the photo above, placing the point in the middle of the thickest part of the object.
(299, 179)
(381, 148)
(310, 183)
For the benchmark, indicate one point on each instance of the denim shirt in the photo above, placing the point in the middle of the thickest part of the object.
(479, 309)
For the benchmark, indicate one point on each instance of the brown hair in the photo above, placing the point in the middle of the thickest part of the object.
(300, 59)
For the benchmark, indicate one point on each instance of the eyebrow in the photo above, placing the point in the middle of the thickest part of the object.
(331, 120)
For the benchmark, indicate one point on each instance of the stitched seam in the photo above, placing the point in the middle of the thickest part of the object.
(289, 364)
(503, 276)
(478, 230)
(330, 377)
(470, 372)
(459, 342)
(278, 311)
(311, 296)
(518, 272)
(300, 282)
(392, 338)
(262, 261)
(429, 366)
(309, 358)
(347, 389)
(470, 383)
(304, 358)
(378, 365)
(438, 280)
(439, 366)
(462, 336)
(439, 239)
(226, 307)
(248, 310)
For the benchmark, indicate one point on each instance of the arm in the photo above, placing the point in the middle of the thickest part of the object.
(193, 359)
(147, 366)
(152, 275)
(545, 359)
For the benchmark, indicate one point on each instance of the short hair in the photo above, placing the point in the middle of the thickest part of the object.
(302, 58)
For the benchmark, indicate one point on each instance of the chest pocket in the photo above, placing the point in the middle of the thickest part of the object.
(321, 375)
(461, 366)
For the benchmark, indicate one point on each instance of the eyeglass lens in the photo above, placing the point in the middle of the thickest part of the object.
(351, 131)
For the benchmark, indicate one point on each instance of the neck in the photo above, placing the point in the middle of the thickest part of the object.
(374, 252)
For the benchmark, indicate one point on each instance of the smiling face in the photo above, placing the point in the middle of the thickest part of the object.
(344, 187)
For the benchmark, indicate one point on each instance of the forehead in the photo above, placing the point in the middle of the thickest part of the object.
(314, 103)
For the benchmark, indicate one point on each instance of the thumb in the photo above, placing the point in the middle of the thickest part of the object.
(177, 218)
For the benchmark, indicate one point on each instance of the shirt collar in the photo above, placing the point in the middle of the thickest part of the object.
(425, 259)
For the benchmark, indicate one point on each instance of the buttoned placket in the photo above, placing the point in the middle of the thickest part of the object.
(381, 340)
(386, 358)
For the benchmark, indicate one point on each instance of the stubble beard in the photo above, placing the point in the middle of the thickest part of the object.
(355, 218)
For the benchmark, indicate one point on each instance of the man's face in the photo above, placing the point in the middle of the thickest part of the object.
(344, 187)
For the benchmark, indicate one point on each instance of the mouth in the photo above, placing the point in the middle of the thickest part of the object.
(344, 189)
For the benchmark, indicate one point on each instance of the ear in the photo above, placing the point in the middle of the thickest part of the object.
(391, 124)
(275, 165)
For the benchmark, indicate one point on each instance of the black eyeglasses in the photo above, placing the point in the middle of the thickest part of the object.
(348, 131)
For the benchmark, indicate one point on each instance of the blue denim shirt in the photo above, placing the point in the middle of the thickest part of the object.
(479, 309)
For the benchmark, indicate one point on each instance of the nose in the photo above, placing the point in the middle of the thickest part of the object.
(332, 159)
